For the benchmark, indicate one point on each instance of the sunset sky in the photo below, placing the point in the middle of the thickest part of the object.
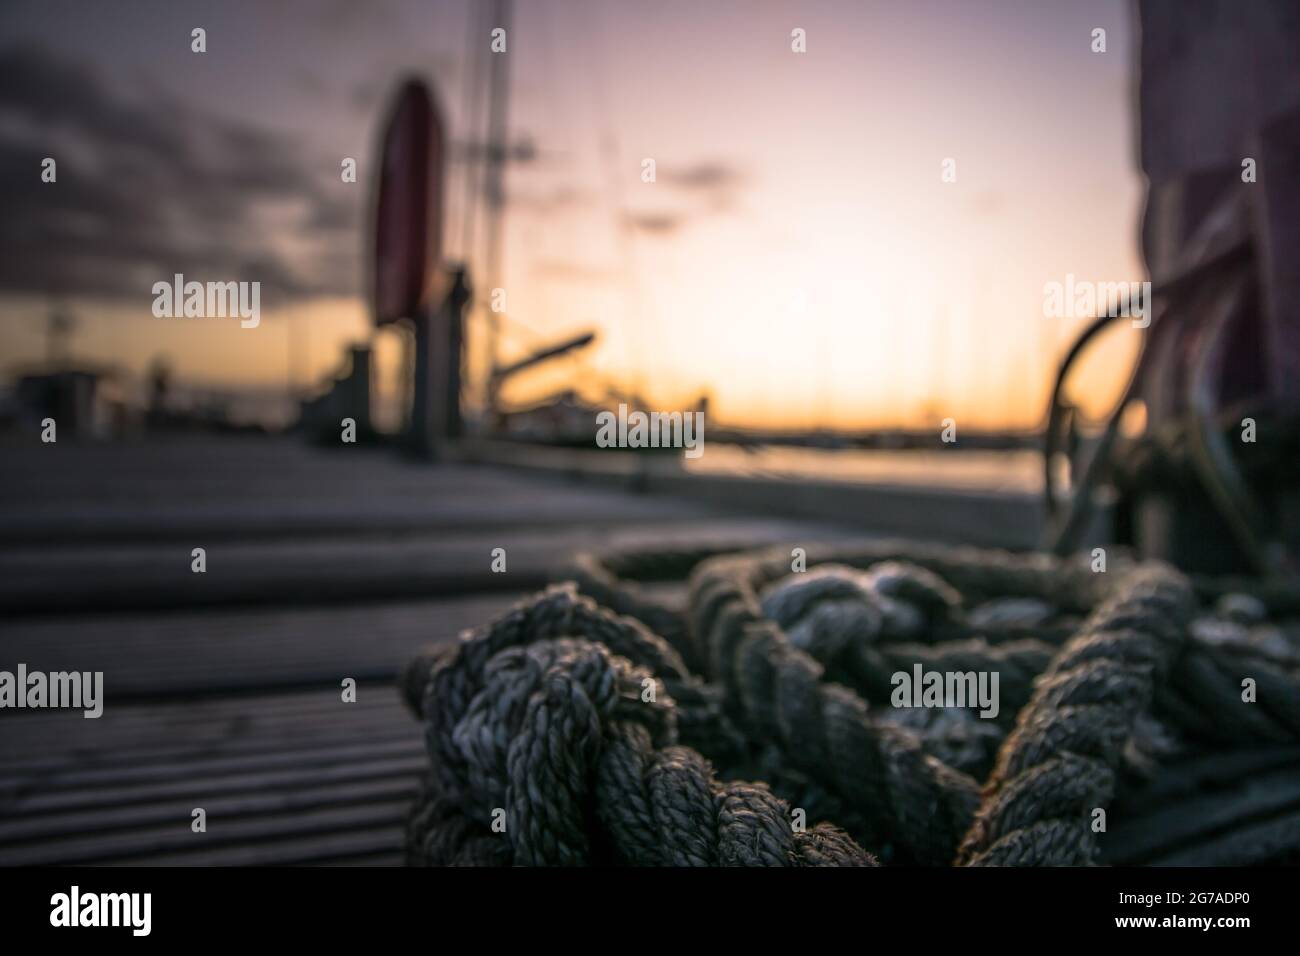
(799, 257)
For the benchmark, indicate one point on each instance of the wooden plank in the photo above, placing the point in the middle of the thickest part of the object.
(219, 651)
(219, 489)
(183, 740)
(284, 777)
(383, 842)
(331, 571)
(83, 786)
(395, 781)
(26, 779)
(177, 838)
(189, 652)
(320, 566)
(94, 466)
(368, 510)
(207, 725)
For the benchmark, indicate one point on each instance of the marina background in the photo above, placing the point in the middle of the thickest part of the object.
(798, 259)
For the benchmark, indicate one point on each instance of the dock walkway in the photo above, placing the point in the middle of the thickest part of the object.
(223, 689)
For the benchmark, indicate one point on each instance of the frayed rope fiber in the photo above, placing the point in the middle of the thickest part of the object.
(605, 727)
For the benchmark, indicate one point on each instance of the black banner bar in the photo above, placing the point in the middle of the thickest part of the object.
(449, 908)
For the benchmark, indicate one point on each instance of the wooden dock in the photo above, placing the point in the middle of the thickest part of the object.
(223, 689)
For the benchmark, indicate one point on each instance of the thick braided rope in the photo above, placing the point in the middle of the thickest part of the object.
(561, 612)
(978, 574)
(1202, 698)
(918, 804)
(551, 731)
(776, 693)
(1068, 778)
(607, 580)
(842, 618)
(769, 688)
(611, 578)
(1058, 765)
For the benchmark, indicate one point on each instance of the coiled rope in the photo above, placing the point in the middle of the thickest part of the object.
(543, 732)
(541, 716)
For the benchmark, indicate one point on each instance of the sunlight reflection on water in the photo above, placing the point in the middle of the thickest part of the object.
(1010, 471)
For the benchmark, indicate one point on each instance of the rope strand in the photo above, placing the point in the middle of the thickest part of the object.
(610, 726)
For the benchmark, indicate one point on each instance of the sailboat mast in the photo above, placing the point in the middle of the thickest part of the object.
(498, 114)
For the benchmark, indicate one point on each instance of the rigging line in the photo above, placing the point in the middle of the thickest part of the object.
(1063, 533)
(558, 105)
(470, 188)
(459, 198)
(474, 150)
(498, 123)
(1211, 459)
(609, 153)
(1176, 285)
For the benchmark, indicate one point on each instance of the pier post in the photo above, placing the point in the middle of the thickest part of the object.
(439, 356)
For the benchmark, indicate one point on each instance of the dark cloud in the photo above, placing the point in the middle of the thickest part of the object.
(148, 188)
(708, 177)
(706, 188)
